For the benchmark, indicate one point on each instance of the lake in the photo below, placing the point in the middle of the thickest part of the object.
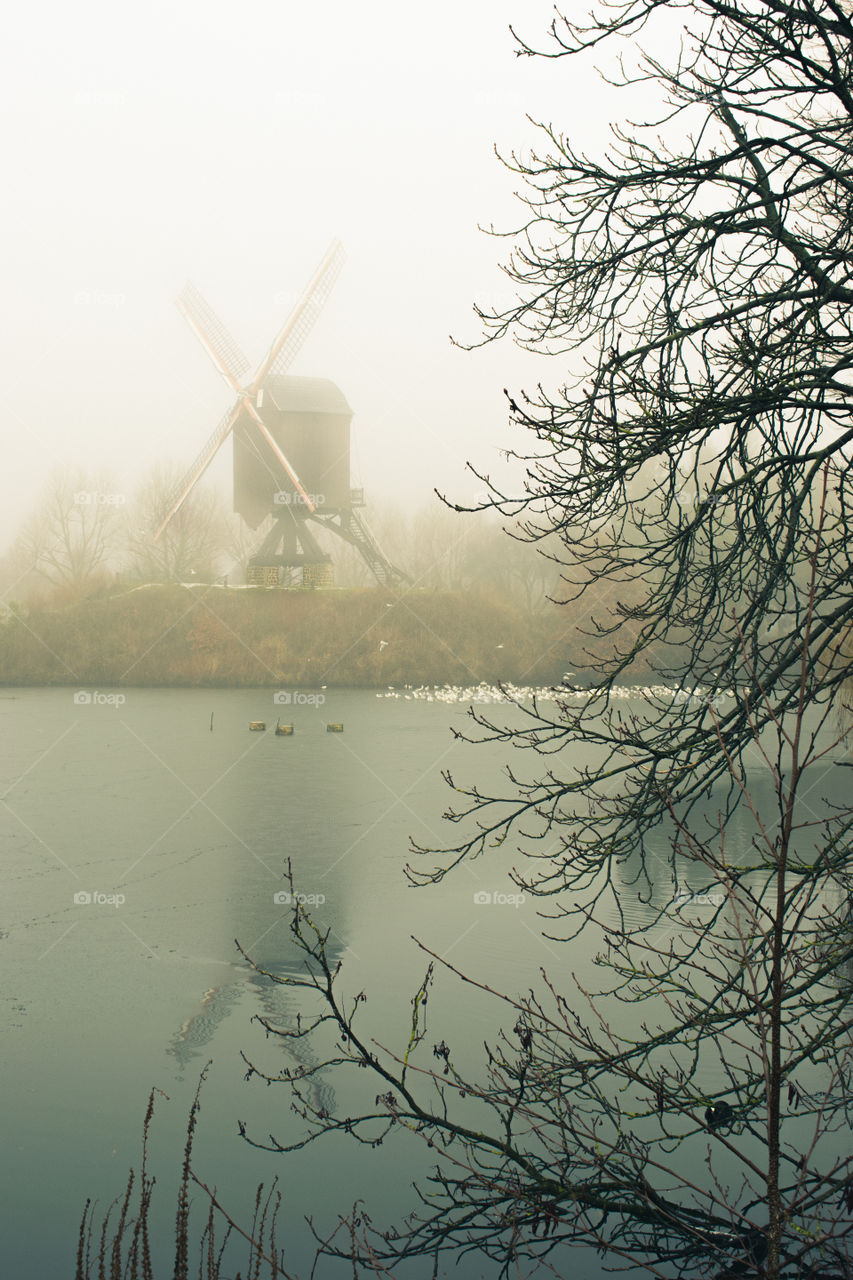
(138, 843)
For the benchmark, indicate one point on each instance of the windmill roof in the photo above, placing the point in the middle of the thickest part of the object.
(306, 395)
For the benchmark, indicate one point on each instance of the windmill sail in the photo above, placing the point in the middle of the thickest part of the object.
(277, 452)
(230, 362)
(182, 489)
(226, 355)
(299, 323)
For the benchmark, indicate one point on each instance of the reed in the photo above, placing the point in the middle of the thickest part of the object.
(119, 1248)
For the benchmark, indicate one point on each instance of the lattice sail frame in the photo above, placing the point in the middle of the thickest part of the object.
(230, 363)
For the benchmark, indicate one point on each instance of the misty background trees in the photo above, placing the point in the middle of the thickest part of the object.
(71, 536)
(194, 545)
(85, 537)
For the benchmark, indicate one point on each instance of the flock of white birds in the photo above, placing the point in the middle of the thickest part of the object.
(488, 693)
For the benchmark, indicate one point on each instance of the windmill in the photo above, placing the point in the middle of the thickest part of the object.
(291, 443)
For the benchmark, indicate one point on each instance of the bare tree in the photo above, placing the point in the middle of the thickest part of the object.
(687, 1114)
(192, 547)
(698, 277)
(693, 286)
(74, 532)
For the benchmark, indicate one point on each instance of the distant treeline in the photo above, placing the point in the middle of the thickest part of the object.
(215, 636)
(83, 534)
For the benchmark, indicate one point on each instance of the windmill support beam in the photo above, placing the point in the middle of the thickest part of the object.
(290, 544)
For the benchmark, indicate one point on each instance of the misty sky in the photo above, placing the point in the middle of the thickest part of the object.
(229, 144)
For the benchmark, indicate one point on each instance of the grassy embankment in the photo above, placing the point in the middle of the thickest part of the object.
(208, 636)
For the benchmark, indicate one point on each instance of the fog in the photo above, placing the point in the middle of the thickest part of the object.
(229, 144)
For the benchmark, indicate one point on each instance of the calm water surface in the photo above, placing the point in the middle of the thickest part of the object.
(193, 828)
